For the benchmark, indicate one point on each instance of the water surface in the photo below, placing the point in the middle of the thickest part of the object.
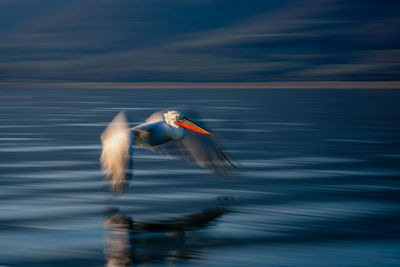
(318, 182)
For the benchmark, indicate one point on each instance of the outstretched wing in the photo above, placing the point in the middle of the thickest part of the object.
(203, 150)
(116, 142)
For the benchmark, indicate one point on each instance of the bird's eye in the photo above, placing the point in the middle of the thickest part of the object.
(179, 118)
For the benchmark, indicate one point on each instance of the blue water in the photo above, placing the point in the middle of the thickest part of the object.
(319, 181)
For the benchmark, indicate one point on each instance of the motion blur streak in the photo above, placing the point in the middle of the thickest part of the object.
(318, 183)
(199, 41)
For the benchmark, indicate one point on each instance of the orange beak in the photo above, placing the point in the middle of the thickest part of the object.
(191, 126)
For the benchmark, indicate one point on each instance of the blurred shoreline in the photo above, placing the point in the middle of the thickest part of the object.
(206, 85)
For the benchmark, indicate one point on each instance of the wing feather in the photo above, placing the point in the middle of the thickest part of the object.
(116, 143)
(203, 150)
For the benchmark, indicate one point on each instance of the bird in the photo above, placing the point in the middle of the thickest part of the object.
(169, 132)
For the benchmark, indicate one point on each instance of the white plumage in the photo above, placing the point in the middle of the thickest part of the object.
(116, 141)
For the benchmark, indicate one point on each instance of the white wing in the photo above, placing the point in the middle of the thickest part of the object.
(116, 142)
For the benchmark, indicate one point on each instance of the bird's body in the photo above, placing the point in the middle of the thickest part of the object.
(165, 132)
(156, 133)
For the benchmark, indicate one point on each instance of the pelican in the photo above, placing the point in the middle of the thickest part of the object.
(167, 132)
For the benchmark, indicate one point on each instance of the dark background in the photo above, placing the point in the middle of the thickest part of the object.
(198, 41)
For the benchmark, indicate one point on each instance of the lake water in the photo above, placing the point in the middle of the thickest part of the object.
(319, 181)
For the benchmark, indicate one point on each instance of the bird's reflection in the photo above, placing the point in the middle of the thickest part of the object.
(130, 242)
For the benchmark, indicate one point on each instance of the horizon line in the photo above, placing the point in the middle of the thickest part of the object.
(206, 85)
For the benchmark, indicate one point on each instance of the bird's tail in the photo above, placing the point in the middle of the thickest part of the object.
(115, 157)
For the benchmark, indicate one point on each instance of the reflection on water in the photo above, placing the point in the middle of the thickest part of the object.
(131, 242)
(318, 183)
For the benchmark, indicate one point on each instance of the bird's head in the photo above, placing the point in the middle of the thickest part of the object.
(177, 119)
